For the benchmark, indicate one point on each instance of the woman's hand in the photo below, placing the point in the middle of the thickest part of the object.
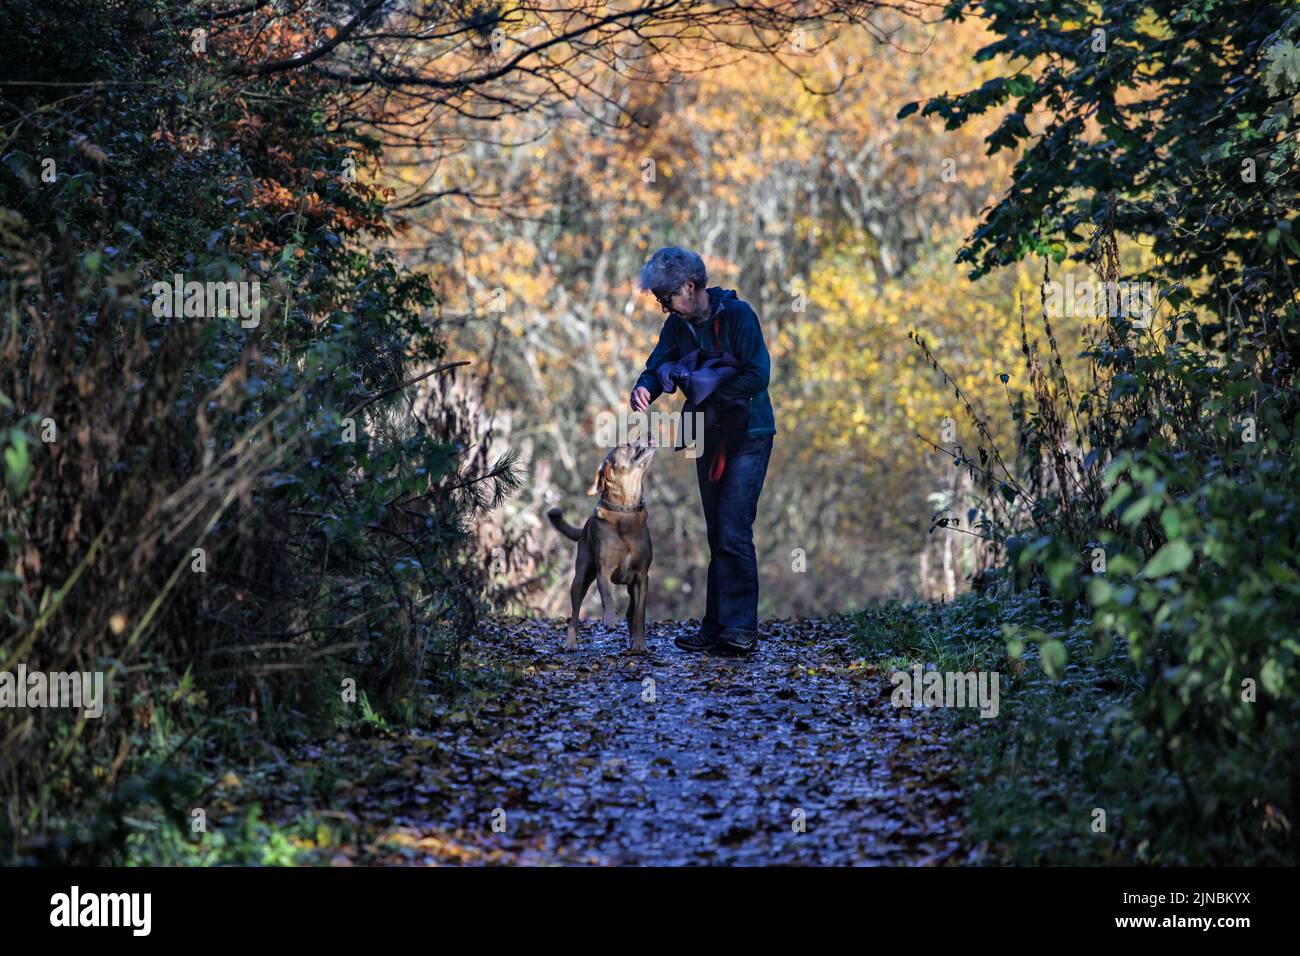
(640, 398)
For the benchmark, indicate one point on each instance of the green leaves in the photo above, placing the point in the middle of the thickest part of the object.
(1174, 557)
(1273, 677)
(17, 442)
(1053, 657)
(1214, 114)
(1139, 509)
(1100, 591)
(18, 466)
(1198, 512)
(1282, 72)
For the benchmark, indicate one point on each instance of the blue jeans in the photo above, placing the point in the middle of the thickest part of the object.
(730, 505)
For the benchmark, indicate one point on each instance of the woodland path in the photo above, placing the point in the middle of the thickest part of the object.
(578, 762)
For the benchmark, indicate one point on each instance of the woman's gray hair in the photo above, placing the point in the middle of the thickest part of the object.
(670, 268)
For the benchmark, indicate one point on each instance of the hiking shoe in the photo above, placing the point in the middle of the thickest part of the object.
(736, 642)
(699, 641)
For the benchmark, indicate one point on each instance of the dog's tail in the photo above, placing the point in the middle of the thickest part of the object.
(562, 526)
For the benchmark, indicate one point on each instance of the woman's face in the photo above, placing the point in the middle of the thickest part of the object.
(681, 301)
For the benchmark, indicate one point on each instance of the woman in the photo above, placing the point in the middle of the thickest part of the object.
(677, 279)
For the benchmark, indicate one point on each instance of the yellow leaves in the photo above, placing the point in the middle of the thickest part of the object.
(865, 384)
(443, 847)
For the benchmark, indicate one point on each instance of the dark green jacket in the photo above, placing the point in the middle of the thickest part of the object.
(740, 335)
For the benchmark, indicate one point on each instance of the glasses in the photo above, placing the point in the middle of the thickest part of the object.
(666, 301)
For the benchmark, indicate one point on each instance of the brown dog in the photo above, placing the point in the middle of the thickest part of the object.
(614, 544)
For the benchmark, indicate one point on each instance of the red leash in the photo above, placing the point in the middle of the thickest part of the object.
(719, 464)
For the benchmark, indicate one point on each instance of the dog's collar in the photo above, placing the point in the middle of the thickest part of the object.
(602, 503)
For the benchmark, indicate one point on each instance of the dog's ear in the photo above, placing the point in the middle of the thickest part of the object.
(598, 482)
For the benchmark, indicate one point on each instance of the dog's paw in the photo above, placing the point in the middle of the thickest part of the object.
(571, 644)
